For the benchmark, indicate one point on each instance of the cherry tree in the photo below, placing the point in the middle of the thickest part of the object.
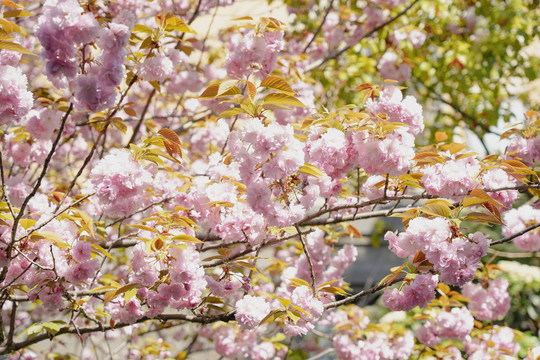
(164, 196)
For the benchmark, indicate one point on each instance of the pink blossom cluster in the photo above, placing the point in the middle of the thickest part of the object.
(455, 324)
(455, 257)
(527, 150)
(61, 28)
(302, 297)
(250, 310)
(419, 292)
(231, 223)
(15, 99)
(327, 265)
(187, 278)
(491, 303)
(254, 52)
(498, 178)
(398, 109)
(453, 180)
(73, 264)
(120, 183)
(160, 67)
(330, 150)
(516, 220)
(494, 343)
(389, 154)
(376, 345)
(390, 68)
(267, 156)
(232, 344)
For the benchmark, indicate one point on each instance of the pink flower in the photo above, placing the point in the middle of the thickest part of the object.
(516, 220)
(254, 51)
(498, 178)
(91, 95)
(391, 154)
(82, 251)
(403, 110)
(157, 68)
(488, 304)
(120, 183)
(303, 298)
(454, 325)
(418, 293)
(15, 100)
(389, 68)
(42, 124)
(250, 310)
(454, 179)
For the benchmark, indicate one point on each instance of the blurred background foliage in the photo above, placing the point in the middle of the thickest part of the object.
(477, 58)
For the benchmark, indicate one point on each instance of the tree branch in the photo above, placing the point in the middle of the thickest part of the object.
(362, 293)
(373, 31)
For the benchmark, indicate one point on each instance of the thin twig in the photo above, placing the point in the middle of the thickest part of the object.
(201, 319)
(319, 28)
(141, 118)
(373, 31)
(362, 293)
(310, 262)
(512, 237)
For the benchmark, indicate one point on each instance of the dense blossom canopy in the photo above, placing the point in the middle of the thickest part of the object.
(175, 188)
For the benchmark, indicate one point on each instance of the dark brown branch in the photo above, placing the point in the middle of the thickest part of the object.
(320, 27)
(307, 220)
(94, 147)
(252, 249)
(310, 262)
(353, 298)
(141, 118)
(512, 237)
(202, 319)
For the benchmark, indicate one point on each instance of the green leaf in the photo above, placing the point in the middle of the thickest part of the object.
(11, 4)
(436, 209)
(278, 84)
(285, 302)
(282, 99)
(103, 251)
(26, 223)
(298, 308)
(294, 316)
(32, 330)
(51, 327)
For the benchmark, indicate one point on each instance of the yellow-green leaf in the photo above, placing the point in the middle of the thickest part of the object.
(142, 28)
(299, 282)
(6, 45)
(16, 13)
(220, 88)
(186, 238)
(285, 302)
(278, 84)
(11, 4)
(175, 23)
(313, 170)
(282, 99)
